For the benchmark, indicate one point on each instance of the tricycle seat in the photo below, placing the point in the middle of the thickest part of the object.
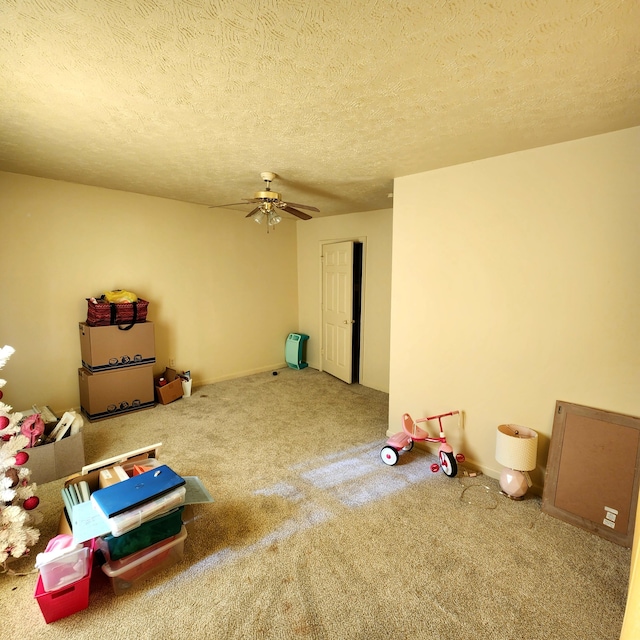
(412, 429)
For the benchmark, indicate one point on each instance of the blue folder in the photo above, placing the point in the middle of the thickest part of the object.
(129, 494)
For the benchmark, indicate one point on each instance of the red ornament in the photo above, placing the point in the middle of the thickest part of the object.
(31, 503)
(21, 457)
(460, 457)
(1, 394)
(4, 421)
(435, 467)
(6, 437)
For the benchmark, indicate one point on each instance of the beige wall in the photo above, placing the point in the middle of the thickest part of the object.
(223, 293)
(516, 284)
(374, 230)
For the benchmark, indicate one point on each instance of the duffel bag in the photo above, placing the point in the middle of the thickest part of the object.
(101, 313)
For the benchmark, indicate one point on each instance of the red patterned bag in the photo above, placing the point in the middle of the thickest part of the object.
(101, 313)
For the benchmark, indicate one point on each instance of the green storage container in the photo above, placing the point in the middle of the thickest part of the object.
(147, 534)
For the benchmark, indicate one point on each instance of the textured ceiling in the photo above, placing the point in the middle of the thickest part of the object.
(192, 99)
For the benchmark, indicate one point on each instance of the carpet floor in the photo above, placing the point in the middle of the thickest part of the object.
(311, 536)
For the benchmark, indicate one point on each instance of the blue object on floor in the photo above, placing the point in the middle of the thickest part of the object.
(293, 350)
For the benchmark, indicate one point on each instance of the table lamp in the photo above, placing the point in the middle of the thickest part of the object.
(516, 450)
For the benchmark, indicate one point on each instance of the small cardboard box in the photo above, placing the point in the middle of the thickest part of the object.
(112, 475)
(48, 462)
(104, 395)
(109, 348)
(170, 391)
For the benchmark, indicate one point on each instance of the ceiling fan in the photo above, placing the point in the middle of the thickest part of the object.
(268, 204)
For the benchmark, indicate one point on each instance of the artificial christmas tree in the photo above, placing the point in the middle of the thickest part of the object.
(17, 494)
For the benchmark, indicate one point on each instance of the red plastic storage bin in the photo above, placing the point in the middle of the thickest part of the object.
(67, 600)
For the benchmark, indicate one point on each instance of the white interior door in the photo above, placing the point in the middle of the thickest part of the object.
(337, 310)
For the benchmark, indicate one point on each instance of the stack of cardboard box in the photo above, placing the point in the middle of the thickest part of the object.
(116, 376)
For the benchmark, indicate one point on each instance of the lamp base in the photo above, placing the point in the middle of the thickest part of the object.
(514, 484)
(506, 495)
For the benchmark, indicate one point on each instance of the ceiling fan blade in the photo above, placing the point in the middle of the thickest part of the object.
(231, 204)
(295, 212)
(252, 212)
(302, 206)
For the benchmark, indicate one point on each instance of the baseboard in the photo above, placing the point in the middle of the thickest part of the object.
(240, 374)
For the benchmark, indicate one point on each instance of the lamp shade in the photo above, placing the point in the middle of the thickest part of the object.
(516, 447)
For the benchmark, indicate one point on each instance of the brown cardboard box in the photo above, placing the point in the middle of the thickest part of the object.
(170, 391)
(109, 348)
(112, 475)
(48, 462)
(104, 395)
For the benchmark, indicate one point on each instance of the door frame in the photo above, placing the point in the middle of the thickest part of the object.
(363, 241)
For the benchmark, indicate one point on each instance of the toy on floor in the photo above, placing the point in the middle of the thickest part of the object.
(411, 432)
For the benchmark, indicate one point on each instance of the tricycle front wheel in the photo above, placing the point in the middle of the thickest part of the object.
(448, 463)
(389, 455)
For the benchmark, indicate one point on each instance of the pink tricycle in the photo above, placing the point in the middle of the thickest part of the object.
(411, 432)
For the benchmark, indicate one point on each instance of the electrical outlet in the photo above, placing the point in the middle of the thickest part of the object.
(172, 362)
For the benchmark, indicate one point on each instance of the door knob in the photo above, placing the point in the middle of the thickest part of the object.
(348, 321)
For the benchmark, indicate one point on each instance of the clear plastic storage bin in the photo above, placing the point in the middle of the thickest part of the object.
(137, 567)
(65, 569)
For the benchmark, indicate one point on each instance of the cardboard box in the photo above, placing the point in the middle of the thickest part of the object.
(48, 462)
(109, 348)
(112, 475)
(170, 391)
(91, 473)
(89, 525)
(113, 393)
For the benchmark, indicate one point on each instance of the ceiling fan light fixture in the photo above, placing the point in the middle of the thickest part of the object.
(273, 218)
(257, 216)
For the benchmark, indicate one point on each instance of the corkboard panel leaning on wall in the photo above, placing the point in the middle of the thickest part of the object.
(593, 471)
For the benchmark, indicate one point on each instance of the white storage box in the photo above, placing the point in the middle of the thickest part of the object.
(65, 569)
(133, 569)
